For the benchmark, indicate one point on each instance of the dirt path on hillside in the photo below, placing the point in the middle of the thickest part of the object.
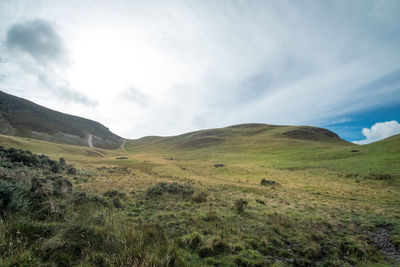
(123, 144)
(90, 138)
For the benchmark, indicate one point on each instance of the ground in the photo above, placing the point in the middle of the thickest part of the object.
(332, 203)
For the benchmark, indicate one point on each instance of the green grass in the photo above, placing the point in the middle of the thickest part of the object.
(326, 208)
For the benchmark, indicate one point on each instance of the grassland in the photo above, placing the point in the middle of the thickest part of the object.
(333, 203)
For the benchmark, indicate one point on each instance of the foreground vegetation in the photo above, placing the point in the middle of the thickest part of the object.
(286, 202)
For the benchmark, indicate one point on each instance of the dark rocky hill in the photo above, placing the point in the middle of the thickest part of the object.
(21, 117)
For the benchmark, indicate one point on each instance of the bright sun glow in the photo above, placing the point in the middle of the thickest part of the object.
(107, 60)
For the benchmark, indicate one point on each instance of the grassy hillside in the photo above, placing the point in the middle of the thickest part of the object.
(199, 199)
(248, 135)
(24, 118)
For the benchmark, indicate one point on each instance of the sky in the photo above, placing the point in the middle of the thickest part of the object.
(169, 67)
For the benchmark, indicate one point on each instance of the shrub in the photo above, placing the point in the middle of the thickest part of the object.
(380, 176)
(267, 182)
(351, 175)
(47, 195)
(71, 170)
(259, 201)
(114, 193)
(16, 157)
(205, 252)
(62, 161)
(240, 204)
(216, 248)
(66, 246)
(200, 197)
(117, 197)
(95, 199)
(210, 216)
(183, 190)
(56, 168)
(396, 242)
(122, 170)
(98, 200)
(25, 157)
(219, 247)
(23, 189)
(25, 228)
(12, 198)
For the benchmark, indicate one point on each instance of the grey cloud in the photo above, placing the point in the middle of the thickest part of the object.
(38, 39)
(135, 95)
(64, 91)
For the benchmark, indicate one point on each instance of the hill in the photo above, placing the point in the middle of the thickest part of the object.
(21, 117)
(250, 195)
(252, 135)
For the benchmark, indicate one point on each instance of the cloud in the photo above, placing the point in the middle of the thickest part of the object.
(203, 64)
(135, 95)
(379, 131)
(61, 89)
(39, 50)
(36, 38)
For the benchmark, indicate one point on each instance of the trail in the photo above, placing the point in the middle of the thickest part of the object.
(90, 137)
(123, 143)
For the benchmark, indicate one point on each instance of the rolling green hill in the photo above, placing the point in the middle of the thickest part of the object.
(249, 135)
(21, 117)
(244, 195)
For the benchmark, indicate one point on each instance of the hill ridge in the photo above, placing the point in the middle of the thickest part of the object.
(253, 133)
(21, 117)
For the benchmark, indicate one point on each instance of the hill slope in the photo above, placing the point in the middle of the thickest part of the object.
(21, 117)
(322, 201)
(252, 135)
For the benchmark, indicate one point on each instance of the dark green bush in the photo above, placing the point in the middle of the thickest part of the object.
(117, 197)
(12, 198)
(30, 230)
(380, 176)
(71, 170)
(66, 246)
(183, 190)
(217, 247)
(200, 197)
(111, 193)
(259, 201)
(268, 182)
(15, 157)
(240, 204)
(62, 161)
(56, 167)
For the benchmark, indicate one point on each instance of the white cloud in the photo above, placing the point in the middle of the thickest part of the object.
(167, 67)
(379, 131)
